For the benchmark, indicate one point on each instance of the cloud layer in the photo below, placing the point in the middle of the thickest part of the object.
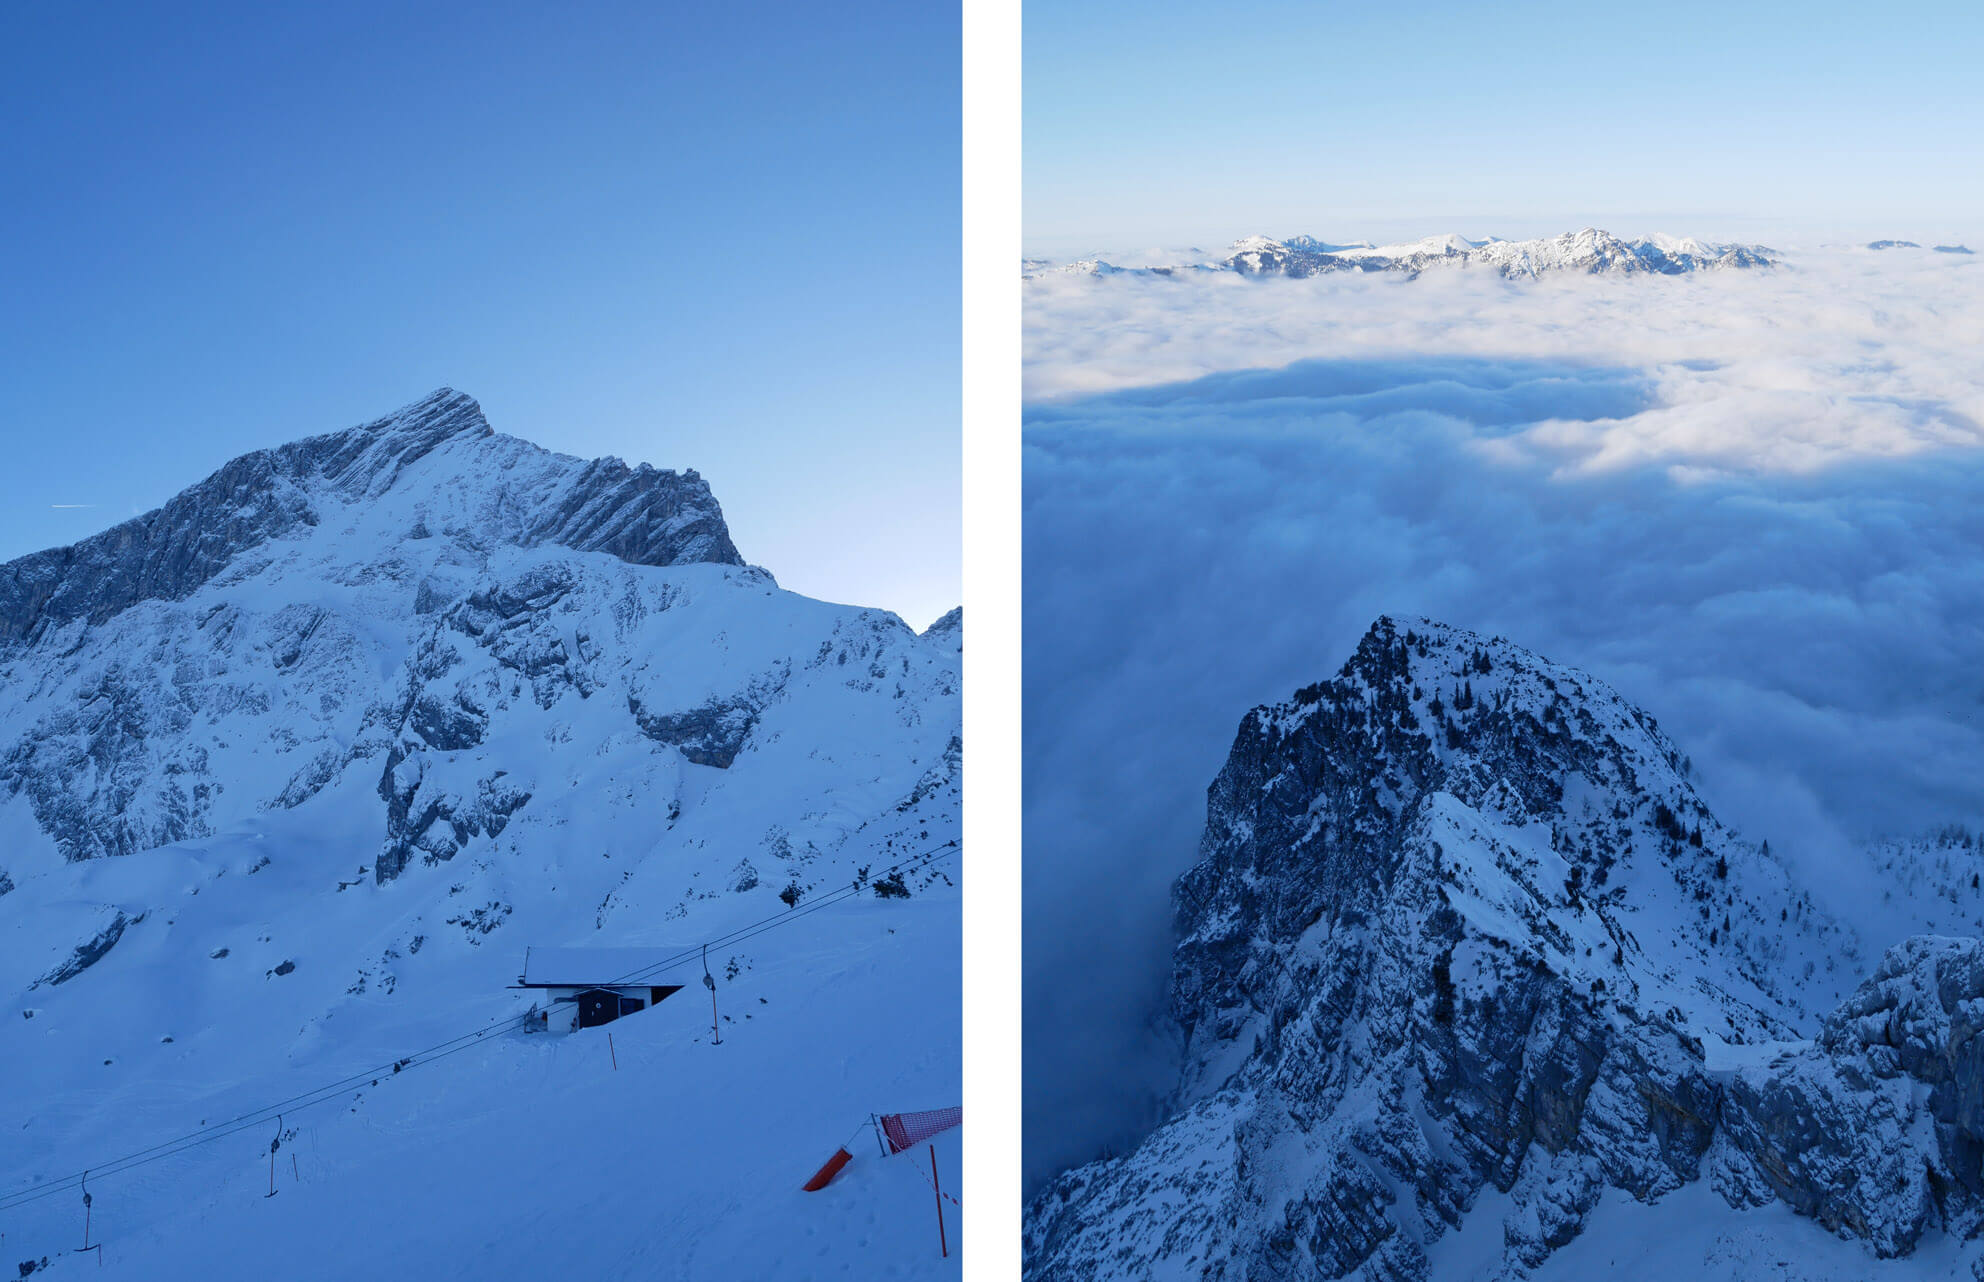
(1843, 352)
(1756, 505)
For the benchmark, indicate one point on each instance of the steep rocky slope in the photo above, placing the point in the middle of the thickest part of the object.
(1463, 934)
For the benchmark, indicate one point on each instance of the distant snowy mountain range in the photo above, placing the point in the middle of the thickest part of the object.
(1909, 244)
(1474, 985)
(294, 769)
(1589, 251)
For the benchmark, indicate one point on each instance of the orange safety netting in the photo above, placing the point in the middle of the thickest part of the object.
(902, 1130)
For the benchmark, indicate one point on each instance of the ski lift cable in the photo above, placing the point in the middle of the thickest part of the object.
(260, 1115)
(245, 1121)
(760, 927)
(439, 1050)
(428, 1055)
(916, 863)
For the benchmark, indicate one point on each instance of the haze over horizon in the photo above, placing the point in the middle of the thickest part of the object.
(1398, 124)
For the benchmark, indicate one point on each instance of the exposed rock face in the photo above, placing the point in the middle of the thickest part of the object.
(1461, 922)
(1875, 1129)
(641, 515)
(91, 951)
(430, 819)
(711, 735)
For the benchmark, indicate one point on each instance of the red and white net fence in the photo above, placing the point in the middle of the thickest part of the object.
(905, 1130)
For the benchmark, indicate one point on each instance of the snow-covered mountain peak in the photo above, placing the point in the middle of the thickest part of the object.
(388, 594)
(1464, 941)
(433, 467)
(1448, 243)
(1442, 770)
(375, 451)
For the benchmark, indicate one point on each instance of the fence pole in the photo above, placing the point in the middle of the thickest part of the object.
(709, 982)
(610, 1051)
(943, 1243)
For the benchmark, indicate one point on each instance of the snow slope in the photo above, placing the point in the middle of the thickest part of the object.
(289, 809)
(1687, 1234)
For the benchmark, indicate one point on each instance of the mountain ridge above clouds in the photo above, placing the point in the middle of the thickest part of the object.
(1589, 251)
(1466, 955)
(1912, 244)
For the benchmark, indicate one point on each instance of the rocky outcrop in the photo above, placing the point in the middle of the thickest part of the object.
(710, 735)
(1462, 923)
(102, 775)
(91, 951)
(429, 819)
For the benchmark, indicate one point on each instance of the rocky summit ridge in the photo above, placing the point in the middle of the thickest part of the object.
(523, 494)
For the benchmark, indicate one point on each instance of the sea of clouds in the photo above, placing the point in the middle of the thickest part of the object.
(1750, 500)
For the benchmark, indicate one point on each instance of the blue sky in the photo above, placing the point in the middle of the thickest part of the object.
(711, 236)
(1178, 123)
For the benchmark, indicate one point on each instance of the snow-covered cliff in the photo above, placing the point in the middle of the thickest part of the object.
(1465, 944)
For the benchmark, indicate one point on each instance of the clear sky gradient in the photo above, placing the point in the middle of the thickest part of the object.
(712, 236)
(1172, 124)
